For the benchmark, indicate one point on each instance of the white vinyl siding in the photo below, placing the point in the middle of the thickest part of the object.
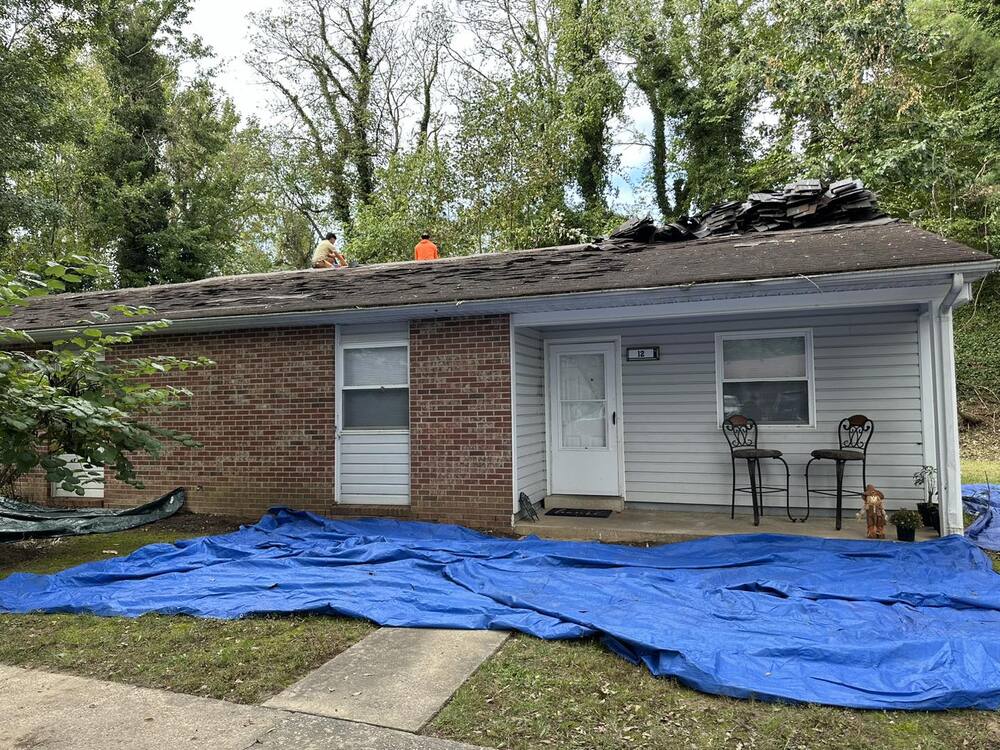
(372, 463)
(374, 468)
(529, 421)
(92, 488)
(675, 454)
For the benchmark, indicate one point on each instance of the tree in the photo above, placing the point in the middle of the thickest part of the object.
(131, 196)
(418, 192)
(74, 401)
(219, 191)
(593, 94)
(695, 64)
(37, 41)
(336, 66)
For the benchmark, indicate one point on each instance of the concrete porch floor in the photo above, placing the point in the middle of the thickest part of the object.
(642, 525)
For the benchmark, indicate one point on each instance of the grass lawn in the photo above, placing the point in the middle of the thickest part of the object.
(979, 472)
(245, 661)
(576, 694)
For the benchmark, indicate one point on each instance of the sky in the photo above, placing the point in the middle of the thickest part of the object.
(224, 26)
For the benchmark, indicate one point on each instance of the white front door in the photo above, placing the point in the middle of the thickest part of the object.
(583, 413)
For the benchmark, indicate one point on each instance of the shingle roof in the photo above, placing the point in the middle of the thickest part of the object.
(878, 245)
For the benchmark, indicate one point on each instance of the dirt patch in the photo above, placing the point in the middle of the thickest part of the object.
(14, 554)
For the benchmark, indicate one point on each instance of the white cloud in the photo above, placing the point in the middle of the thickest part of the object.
(225, 27)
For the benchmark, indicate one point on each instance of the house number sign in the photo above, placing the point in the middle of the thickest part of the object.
(642, 354)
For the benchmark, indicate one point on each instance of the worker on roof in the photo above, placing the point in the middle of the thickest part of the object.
(425, 249)
(326, 254)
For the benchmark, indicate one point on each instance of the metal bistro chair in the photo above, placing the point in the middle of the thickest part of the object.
(741, 434)
(854, 433)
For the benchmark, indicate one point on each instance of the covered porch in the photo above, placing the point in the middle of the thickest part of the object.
(623, 406)
(658, 526)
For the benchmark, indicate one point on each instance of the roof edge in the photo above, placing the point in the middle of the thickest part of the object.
(918, 275)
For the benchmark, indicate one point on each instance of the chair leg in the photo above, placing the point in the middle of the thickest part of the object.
(808, 498)
(788, 497)
(752, 470)
(840, 491)
(732, 513)
(760, 485)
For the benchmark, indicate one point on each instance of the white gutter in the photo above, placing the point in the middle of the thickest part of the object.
(958, 286)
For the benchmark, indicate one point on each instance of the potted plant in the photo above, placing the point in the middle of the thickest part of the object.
(927, 478)
(906, 522)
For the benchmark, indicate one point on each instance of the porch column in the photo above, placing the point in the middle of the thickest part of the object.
(946, 420)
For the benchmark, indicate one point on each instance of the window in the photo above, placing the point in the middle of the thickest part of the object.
(376, 387)
(92, 479)
(766, 376)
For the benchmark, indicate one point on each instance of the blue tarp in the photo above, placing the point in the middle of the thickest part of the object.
(983, 501)
(850, 623)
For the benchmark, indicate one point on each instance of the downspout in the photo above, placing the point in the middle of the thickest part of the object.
(951, 299)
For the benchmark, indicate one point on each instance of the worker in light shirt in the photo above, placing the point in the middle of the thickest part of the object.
(425, 249)
(326, 254)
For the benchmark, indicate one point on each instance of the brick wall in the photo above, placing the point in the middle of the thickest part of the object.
(460, 421)
(265, 416)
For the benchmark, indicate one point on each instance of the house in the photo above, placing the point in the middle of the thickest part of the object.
(441, 391)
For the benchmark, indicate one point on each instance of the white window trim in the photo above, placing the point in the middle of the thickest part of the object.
(92, 490)
(383, 344)
(810, 376)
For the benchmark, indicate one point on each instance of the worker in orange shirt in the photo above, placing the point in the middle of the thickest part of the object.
(425, 249)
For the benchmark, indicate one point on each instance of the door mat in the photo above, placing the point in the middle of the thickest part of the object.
(578, 512)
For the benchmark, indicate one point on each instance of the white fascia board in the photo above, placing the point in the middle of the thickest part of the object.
(775, 303)
(795, 290)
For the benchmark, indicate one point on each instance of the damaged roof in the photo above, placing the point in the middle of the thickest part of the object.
(609, 265)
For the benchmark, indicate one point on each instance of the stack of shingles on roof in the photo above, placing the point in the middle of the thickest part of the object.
(798, 204)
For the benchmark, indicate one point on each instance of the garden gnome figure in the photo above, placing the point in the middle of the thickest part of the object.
(874, 510)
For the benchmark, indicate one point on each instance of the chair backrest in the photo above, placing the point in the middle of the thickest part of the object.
(740, 432)
(856, 432)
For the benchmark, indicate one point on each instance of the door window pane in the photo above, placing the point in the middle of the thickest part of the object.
(385, 365)
(377, 408)
(584, 424)
(581, 377)
(778, 357)
(768, 402)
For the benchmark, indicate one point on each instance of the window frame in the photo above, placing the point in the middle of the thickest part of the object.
(92, 490)
(809, 378)
(342, 387)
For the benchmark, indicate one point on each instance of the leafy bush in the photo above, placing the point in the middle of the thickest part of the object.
(906, 519)
(74, 401)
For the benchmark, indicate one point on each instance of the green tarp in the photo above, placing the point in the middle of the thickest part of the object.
(26, 521)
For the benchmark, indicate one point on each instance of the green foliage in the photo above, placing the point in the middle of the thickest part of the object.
(37, 39)
(418, 193)
(68, 400)
(906, 519)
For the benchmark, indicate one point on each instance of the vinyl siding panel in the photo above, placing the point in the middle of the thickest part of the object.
(529, 418)
(865, 362)
(375, 468)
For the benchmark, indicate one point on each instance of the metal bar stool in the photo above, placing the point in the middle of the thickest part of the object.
(741, 434)
(854, 433)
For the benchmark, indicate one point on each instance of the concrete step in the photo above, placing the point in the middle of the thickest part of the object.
(586, 502)
(396, 677)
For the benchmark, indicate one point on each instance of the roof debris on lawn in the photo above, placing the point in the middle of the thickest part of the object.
(799, 204)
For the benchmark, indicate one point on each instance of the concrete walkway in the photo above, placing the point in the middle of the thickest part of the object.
(44, 711)
(396, 677)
